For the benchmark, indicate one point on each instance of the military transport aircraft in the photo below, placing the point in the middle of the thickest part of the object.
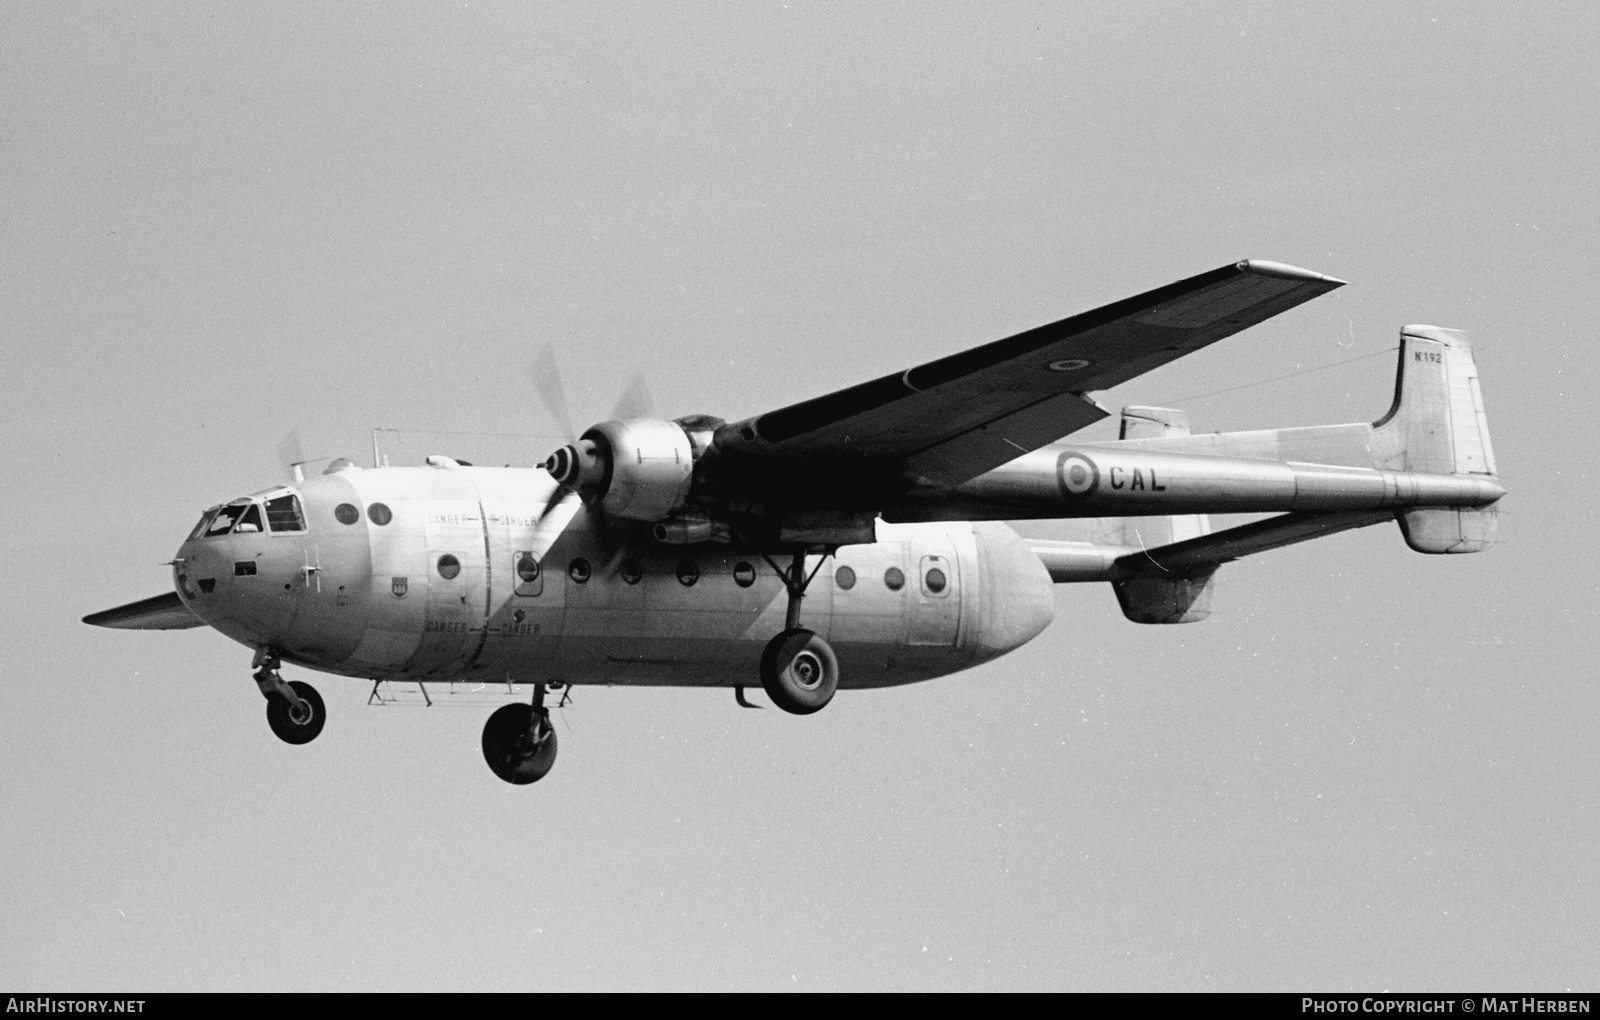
(851, 540)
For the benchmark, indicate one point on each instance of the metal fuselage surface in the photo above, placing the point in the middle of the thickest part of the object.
(429, 573)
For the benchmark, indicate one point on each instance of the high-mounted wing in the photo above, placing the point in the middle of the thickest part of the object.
(164, 612)
(955, 418)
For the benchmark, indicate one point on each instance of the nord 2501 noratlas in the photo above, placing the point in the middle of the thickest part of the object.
(847, 541)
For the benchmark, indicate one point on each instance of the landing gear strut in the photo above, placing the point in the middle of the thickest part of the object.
(518, 741)
(294, 708)
(798, 669)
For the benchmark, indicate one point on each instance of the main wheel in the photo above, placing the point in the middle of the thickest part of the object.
(297, 724)
(799, 671)
(512, 749)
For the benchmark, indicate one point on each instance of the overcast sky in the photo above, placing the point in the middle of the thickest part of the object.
(1369, 769)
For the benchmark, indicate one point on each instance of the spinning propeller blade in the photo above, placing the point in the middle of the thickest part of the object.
(547, 380)
(635, 401)
(558, 513)
(292, 454)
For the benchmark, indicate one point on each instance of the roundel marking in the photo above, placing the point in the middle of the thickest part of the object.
(1069, 364)
(1077, 475)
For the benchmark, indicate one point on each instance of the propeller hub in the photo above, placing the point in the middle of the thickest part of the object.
(563, 465)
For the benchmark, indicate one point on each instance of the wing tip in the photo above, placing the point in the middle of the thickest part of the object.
(1283, 270)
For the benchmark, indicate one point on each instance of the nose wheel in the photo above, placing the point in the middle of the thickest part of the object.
(519, 743)
(301, 721)
(294, 708)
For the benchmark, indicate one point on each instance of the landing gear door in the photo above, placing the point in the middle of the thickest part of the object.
(936, 598)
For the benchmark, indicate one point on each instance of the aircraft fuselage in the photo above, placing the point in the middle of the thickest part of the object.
(430, 573)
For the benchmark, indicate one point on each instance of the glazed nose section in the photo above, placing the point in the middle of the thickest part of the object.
(1017, 597)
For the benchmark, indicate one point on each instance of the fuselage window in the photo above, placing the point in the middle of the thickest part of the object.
(688, 573)
(344, 513)
(579, 570)
(250, 520)
(530, 577)
(631, 571)
(449, 567)
(283, 514)
(379, 514)
(527, 568)
(895, 578)
(935, 580)
(744, 575)
(845, 578)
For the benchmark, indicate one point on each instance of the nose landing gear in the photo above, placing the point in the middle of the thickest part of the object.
(519, 743)
(294, 708)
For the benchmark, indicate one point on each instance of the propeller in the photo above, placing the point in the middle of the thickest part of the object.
(292, 455)
(581, 460)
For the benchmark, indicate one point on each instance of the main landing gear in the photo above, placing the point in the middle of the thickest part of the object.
(799, 671)
(519, 743)
(294, 708)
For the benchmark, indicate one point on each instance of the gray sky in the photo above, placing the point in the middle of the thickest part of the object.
(1369, 769)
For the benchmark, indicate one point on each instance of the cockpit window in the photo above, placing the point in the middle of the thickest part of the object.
(224, 520)
(283, 514)
(204, 525)
(250, 520)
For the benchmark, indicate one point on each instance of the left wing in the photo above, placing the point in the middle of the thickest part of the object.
(955, 418)
(164, 612)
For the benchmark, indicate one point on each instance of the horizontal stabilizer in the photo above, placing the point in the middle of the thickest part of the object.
(1070, 562)
(164, 612)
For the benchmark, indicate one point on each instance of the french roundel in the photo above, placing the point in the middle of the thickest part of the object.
(1077, 474)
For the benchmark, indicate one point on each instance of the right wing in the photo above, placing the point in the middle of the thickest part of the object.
(955, 418)
(164, 612)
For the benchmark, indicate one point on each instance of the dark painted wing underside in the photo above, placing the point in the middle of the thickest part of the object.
(164, 612)
(955, 418)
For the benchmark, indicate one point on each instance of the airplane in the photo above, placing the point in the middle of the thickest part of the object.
(852, 540)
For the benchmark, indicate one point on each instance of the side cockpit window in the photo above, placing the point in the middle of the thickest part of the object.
(284, 514)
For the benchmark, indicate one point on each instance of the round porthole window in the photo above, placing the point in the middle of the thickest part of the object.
(379, 514)
(845, 578)
(344, 513)
(688, 573)
(631, 571)
(895, 578)
(449, 567)
(579, 570)
(935, 580)
(527, 568)
(744, 575)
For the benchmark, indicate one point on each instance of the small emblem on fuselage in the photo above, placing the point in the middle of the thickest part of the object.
(397, 587)
(1077, 474)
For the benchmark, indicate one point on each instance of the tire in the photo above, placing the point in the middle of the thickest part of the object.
(799, 671)
(281, 717)
(506, 750)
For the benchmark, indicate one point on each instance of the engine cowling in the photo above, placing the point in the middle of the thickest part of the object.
(640, 469)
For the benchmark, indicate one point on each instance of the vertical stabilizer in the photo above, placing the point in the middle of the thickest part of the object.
(1438, 425)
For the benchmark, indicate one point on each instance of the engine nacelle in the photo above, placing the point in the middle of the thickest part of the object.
(640, 469)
